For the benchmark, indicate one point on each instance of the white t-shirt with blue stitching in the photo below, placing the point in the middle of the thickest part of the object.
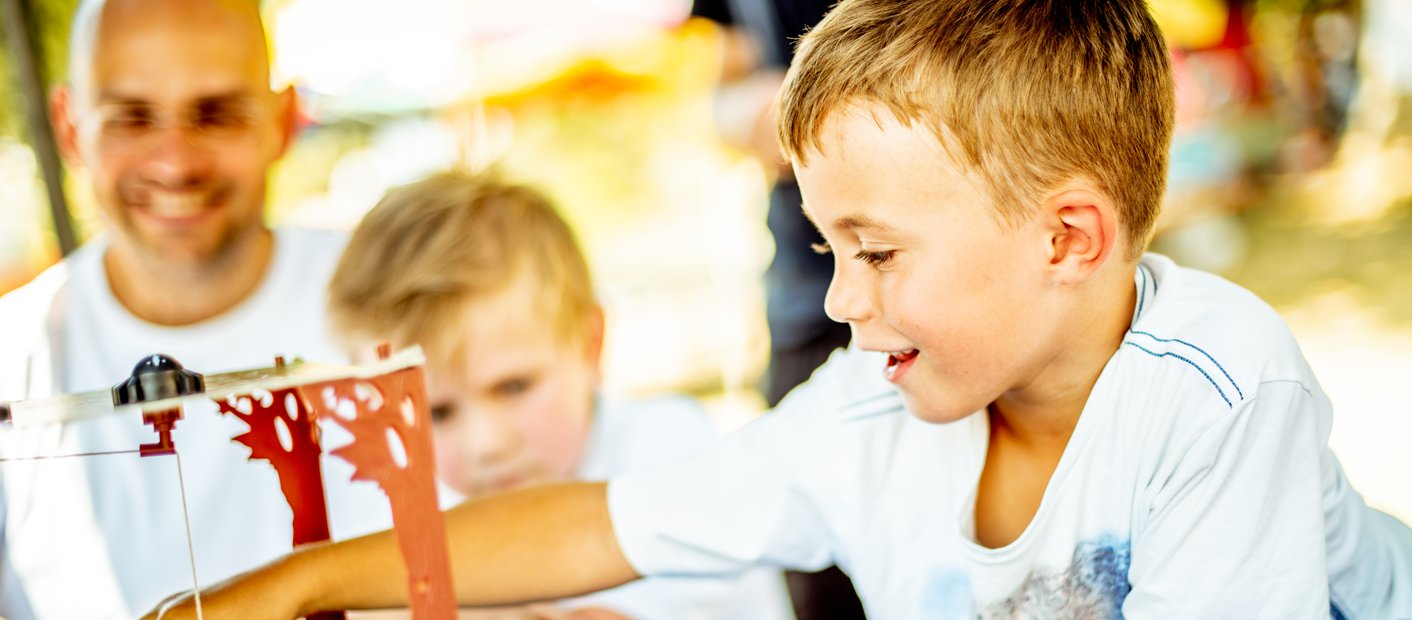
(640, 435)
(1197, 484)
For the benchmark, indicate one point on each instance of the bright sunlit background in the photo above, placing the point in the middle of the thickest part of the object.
(1292, 172)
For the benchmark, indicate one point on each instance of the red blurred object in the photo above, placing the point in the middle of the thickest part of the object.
(392, 446)
(297, 465)
(300, 475)
(163, 422)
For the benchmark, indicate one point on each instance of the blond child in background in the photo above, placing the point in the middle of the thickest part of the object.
(1036, 419)
(489, 280)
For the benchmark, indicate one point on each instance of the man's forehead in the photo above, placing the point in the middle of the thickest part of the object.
(192, 15)
(134, 46)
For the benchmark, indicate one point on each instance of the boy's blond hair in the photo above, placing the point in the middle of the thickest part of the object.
(1024, 93)
(429, 249)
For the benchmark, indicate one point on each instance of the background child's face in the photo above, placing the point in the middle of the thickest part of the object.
(922, 269)
(518, 408)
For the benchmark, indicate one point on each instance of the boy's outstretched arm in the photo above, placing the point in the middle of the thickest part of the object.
(541, 543)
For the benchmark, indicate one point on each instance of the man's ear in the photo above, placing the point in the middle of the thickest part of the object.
(65, 123)
(1083, 232)
(287, 120)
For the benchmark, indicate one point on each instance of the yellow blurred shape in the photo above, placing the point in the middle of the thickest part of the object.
(1191, 24)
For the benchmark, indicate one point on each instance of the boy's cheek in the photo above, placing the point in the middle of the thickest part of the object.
(449, 459)
(557, 448)
(553, 423)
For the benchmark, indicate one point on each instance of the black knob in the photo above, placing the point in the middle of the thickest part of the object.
(157, 377)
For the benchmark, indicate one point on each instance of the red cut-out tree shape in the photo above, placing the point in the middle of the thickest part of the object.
(392, 446)
(283, 433)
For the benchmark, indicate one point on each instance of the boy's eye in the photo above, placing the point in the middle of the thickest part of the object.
(441, 413)
(875, 259)
(513, 387)
(821, 248)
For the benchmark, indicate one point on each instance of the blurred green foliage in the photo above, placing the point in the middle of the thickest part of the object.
(50, 19)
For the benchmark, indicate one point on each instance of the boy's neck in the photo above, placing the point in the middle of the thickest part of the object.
(1043, 411)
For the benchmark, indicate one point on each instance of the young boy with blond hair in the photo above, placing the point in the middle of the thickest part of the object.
(489, 280)
(1035, 418)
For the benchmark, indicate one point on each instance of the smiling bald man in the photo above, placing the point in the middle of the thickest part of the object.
(169, 115)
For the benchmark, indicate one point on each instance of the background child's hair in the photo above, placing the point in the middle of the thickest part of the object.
(429, 249)
(1025, 93)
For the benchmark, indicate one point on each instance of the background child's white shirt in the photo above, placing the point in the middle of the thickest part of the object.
(1198, 483)
(642, 435)
(103, 537)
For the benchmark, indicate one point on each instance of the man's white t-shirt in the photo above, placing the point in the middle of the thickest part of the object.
(644, 434)
(105, 536)
(1197, 484)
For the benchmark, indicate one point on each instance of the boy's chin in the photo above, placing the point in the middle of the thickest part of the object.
(938, 412)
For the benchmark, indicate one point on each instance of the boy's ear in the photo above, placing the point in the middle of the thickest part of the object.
(593, 338)
(1083, 232)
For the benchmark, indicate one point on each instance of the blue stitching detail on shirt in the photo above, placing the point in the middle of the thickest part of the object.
(1193, 365)
(1201, 351)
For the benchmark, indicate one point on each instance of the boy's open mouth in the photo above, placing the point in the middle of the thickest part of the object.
(897, 361)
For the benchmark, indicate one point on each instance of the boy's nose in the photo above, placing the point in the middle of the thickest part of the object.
(489, 437)
(846, 301)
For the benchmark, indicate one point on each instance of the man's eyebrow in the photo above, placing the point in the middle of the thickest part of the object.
(236, 96)
(226, 98)
(107, 98)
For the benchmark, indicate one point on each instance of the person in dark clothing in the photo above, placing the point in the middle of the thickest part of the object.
(760, 44)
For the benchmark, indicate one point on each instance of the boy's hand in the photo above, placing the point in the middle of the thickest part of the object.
(258, 594)
(540, 543)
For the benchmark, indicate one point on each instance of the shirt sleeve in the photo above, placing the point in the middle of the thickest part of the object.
(1236, 528)
(757, 594)
(743, 502)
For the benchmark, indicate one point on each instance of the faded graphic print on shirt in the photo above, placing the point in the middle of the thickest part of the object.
(1092, 587)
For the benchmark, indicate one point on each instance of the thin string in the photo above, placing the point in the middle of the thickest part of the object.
(65, 456)
(185, 515)
(190, 548)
